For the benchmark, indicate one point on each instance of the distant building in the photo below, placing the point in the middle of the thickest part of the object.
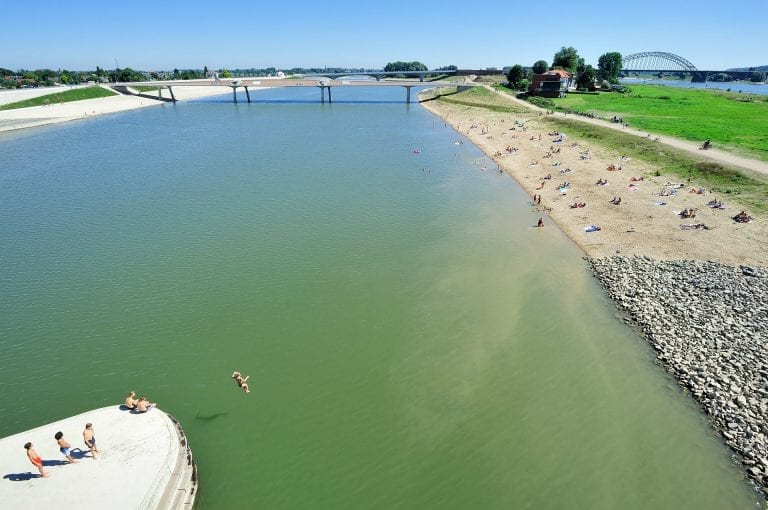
(554, 83)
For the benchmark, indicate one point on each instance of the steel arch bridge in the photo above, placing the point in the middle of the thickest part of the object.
(656, 61)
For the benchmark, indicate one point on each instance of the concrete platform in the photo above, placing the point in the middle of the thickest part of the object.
(144, 463)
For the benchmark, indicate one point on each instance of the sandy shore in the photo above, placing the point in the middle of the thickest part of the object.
(647, 222)
(77, 110)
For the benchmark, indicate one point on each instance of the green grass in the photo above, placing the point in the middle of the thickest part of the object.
(61, 97)
(732, 121)
(751, 191)
(484, 98)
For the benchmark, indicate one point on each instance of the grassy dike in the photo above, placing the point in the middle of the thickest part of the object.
(750, 191)
(735, 122)
(61, 97)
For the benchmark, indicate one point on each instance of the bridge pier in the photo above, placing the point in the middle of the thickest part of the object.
(408, 93)
(247, 94)
(234, 94)
(173, 98)
(322, 93)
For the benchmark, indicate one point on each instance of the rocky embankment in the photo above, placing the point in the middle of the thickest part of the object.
(709, 325)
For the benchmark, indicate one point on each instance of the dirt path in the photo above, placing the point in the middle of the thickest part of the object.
(719, 156)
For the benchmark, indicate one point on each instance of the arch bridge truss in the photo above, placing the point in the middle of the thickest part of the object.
(656, 61)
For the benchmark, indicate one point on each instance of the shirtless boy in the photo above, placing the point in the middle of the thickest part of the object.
(130, 400)
(144, 405)
(90, 440)
(35, 459)
(64, 446)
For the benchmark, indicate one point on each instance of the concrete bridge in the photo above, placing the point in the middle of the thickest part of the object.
(322, 83)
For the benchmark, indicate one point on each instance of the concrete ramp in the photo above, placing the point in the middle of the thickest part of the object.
(144, 463)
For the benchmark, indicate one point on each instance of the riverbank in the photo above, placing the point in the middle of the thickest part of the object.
(706, 320)
(22, 118)
(647, 221)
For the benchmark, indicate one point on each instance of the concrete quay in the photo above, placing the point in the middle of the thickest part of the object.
(144, 463)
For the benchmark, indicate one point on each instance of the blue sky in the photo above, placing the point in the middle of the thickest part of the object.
(167, 34)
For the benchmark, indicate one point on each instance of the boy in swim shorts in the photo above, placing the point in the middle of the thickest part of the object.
(64, 446)
(35, 459)
(90, 440)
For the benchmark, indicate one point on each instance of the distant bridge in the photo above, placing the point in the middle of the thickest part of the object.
(380, 74)
(323, 83)
(662, 62)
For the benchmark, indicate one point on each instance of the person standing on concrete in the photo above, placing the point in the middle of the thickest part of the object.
(35, 459)
(64, 446)
(90, 440)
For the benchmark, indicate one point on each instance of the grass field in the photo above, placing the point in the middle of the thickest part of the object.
(734, 122)
(751, 191)
(61, 97)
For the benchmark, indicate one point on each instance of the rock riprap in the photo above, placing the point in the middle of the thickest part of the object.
(708, 323)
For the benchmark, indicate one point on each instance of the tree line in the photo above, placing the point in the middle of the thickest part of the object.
(568, 59)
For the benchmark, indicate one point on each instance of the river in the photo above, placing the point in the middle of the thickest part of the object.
(411, 340)
(731, 86)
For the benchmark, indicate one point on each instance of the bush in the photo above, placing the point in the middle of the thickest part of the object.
(542, 102)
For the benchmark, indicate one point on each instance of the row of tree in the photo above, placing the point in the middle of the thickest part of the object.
(568, 59)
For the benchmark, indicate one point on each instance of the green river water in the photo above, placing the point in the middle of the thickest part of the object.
(412, 341)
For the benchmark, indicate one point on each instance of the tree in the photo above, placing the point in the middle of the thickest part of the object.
(586, 78)
(404, 66)
(540, 67)
(516, 76)
(757, 77)
(448, 68)
(568, 59)
(609, 66)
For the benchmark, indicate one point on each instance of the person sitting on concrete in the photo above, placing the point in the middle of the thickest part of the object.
(144, 405)
(130, 400)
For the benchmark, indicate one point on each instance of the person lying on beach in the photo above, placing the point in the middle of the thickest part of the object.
(144, 405)
(241, 381)
(716, 204)
(636, 179)
(601, 182)
(130, 400)
(35, 459)
(616, 201)
(688, 213)
(742, 217)
(578, 205)
(541, 185)
(64, 447)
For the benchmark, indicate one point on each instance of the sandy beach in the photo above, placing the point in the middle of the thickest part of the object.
(77, 110)
(647, 222)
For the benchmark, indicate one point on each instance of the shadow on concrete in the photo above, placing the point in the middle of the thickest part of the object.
(54, 462)
(78, 453)
(21, 477)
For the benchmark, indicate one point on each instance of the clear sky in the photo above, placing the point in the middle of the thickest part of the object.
(167, 34)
